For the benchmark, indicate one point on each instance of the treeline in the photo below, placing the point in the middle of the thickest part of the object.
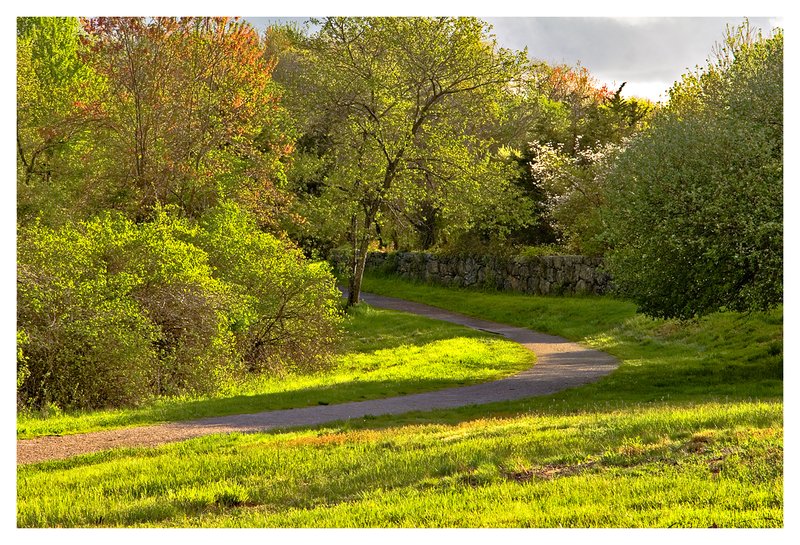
(416, 132)
(179, 181)
(151, 256)
(423, 133)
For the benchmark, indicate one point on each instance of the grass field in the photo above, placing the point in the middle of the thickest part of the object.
(688, 432)
(696, 465)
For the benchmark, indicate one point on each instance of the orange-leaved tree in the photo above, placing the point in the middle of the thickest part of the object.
(192, 114)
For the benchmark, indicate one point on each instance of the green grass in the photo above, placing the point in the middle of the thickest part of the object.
(688, 432)
(724, 355)
(385, 353)
(696, 465)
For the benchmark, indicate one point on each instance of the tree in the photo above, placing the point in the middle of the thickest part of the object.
(58, 101)
(190, 114)
(574, 189)
(394, 100)
(696, 201)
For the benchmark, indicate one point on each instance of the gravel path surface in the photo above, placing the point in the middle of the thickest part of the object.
(560, 364)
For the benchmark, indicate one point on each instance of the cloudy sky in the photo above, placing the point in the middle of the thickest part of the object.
(649, 53)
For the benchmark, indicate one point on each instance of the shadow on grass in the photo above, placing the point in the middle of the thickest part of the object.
(368, 330)
(721, 357)
(361, 390)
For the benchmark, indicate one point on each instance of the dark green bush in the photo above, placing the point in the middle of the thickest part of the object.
(696, 201)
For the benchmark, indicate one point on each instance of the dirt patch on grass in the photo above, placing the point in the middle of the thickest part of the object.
(549, 472)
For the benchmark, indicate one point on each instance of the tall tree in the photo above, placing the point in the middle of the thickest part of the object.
(395, 99)
(58, 101)
(191, 110)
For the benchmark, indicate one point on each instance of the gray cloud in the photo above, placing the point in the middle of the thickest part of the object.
(645, 52)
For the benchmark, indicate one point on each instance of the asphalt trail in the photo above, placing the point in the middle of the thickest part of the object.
(560, 364)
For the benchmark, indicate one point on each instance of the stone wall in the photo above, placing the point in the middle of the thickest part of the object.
(541, 275)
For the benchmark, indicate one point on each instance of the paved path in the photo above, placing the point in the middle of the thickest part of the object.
(560, 364)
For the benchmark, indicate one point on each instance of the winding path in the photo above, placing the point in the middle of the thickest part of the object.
(560, 364)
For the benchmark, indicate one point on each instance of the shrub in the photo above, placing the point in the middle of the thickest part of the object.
(574, 185)
(286, 314)
(696, 202)
(87, 344)
(114, 313)
(111, 313)
(189, 306)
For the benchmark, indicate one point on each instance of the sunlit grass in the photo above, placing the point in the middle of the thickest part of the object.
(722, 355)
(384, 354)
(688, 432)
(695, 465)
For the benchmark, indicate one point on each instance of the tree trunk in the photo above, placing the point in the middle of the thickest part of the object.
(359, 260)
(359, 263)
(428, 225)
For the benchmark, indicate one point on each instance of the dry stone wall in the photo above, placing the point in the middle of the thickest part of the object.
(541, 275)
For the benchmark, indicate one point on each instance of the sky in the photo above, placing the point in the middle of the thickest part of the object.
(648, 53)
(647, 45)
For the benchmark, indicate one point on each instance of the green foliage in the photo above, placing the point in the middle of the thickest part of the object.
(574, 185)
(57, 97)
(155, 119)
(22, 363)
(396, 108)
(286, 311)
(697, 201)
(114, 312)
(89, 343)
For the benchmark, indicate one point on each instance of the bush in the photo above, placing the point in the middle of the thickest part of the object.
(113, 313)
(574, 185)
(179, 294)
(696, 202)
(286, 314)
(87, 344)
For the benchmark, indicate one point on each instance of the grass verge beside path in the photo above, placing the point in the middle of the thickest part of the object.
(385, 354)
(688, 432)
(722, 355)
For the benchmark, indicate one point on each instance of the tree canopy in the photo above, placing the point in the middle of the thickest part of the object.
(399, 105)
(696, 219)
(181, 180)
(150, 155)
